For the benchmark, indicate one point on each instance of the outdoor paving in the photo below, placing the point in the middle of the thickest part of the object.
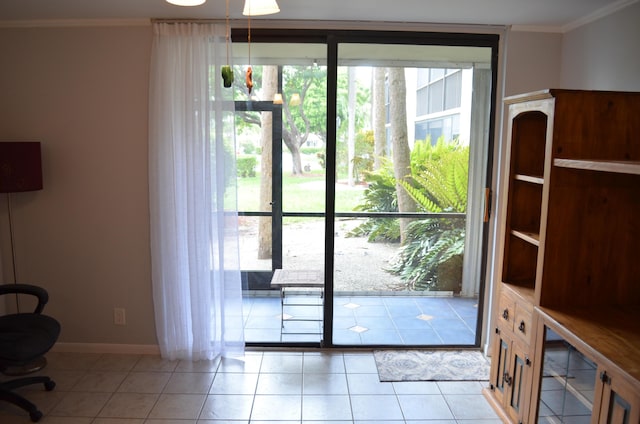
(367, 320)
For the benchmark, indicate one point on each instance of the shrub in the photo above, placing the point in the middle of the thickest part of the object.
(246, 166)
(440, 185)
(379, 196)
(439, 174)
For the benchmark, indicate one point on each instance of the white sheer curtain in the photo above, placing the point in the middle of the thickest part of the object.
(194, 240)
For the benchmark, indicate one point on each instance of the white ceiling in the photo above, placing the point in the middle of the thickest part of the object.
(551, 14)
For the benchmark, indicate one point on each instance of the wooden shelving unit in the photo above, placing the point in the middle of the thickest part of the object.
(571, 250)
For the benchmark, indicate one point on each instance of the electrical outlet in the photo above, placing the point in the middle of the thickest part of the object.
(119, 316)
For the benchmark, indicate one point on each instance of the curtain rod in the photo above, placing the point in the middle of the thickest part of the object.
(344, 25)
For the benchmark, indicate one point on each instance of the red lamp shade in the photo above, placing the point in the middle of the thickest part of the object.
(20, 166)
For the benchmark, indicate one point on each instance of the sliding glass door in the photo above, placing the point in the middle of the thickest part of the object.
(411, 146)
(363, 159)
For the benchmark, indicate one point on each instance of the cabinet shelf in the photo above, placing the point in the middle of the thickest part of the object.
(620, 167)
(527, 236)
(612, 332)
(529, 179)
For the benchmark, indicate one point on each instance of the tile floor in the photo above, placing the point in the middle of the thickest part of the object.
(368, 320)
(265, 387)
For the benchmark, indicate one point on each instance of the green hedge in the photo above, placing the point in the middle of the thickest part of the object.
(246, 166)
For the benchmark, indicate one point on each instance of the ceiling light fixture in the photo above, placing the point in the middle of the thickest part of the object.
(186, 2)
(260, 7)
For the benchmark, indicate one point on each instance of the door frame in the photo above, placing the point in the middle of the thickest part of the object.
(332, 38)
(259, 279)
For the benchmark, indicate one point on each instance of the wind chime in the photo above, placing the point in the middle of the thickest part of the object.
(249, 75)
(227, 70)
(251, 8)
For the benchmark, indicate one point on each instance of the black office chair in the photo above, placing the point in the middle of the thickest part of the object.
(24, 338)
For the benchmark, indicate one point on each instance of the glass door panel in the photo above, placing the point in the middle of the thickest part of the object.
(411, 140)
(282, 206)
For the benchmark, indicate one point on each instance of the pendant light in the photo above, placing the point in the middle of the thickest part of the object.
(260, 7)
(186, 2)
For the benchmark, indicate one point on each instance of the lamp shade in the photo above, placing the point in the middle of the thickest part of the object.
(20, 166)
(186, 2)
(260, 7)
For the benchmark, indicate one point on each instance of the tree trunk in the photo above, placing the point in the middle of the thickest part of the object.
(294, 149)
(265, 237)
(379, 118)
(400, 144)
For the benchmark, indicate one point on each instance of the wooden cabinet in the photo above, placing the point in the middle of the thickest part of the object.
(570, 257)
(601, 370)
(618, 400)
(511, 356)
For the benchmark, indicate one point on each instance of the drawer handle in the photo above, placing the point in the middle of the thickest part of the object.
(505, 314)
(507, 379)
(521, 326)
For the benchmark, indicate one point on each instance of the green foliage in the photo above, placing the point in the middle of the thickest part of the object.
(379, 196)
(322, 159)
(439, 174)
(248, 148)
(246, 166)
(311, 150)
(431, 243)
(363, 159)
(439, 185)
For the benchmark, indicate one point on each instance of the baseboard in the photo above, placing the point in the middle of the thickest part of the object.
(106, 348)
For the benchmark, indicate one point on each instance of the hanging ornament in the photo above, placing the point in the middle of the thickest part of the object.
(249, 79)
(227, 70)
(249, 74)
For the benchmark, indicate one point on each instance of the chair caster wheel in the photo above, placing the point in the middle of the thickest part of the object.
(35, 416)
(49, 385)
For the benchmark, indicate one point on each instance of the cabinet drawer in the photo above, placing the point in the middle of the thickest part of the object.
(522, 323)
(506, 311)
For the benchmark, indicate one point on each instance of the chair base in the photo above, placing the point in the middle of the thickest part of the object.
(31, 367)
(7, 394)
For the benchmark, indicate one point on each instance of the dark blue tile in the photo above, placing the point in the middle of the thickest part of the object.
(407, 310)
(367, 300)
(427, 336)
(379, 323)
(346, 337)
(448, 324)
(381, 337)
(411, 323)
(371, 311)
(344, 322)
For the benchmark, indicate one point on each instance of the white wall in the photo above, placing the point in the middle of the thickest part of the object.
(532, 61)
(604, 55)
(82, 92)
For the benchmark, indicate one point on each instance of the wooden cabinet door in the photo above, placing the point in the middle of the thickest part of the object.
(500, 365)
(510, 375)
(518, 393)
(620, 401)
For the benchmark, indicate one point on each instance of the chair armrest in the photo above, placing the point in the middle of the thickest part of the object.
(39, 292)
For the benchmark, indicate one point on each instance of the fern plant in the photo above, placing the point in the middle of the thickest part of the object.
(379, 196)
(439, 185)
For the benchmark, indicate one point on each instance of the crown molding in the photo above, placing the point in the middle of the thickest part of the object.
(592, 17)
(598, 14)
(71, 23)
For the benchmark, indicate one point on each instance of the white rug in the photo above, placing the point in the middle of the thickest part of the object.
(431, 365)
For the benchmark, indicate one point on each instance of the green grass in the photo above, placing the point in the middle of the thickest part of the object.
(300, 194)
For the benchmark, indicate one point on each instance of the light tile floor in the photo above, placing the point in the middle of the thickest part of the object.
(264, 387)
